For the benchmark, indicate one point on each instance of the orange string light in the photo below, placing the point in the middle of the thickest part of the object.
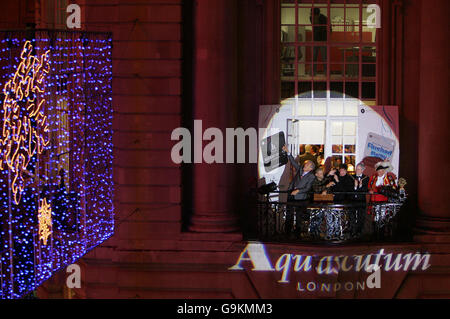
(45, 220)
(18, 134)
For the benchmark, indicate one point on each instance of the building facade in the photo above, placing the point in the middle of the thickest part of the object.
(179, 228)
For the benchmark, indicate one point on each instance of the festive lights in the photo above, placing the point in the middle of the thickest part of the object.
(45, 220)
(56, 183)
(21, 141)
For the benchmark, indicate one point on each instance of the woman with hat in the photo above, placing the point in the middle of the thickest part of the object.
(382, 179)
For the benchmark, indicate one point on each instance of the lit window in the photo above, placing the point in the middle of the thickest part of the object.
(327, 50)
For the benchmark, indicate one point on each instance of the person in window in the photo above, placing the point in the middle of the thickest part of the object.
(382, 182)
(308, 156)
(344, 184)
(299, 190)
(336, 162)
(320, 23)
(322, 184)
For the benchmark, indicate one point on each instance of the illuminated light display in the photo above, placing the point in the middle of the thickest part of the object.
(45, 220)
(56, 186)
(20, 140)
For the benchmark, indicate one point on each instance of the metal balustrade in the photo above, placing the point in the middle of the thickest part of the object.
(327, 222)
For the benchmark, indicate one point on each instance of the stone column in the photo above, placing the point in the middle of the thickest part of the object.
(433, 170)
(215, 88)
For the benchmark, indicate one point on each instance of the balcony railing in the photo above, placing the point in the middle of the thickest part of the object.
(328, 222)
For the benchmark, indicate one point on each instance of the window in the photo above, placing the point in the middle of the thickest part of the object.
(330, 126)
(328, 68)
(327, 50)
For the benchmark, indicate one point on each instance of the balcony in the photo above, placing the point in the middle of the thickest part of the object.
(328, 222)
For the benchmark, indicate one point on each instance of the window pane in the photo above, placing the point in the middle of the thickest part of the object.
(304, 89)
(287, 34)
(351, 33)
(369, 54)
(302, 73)
(352, 70)
(351, 89)
(350, 140)
(287, 61)
(351, 107)
(349, 149)
(288, 15)
(337, 15)
(351, 54)
(350, 159)
(320, 108)
(304, 108)
(312, 132)
(287, 89)
(352, 15)
(336, 129)
(306, 54)
(337, 89)
(320, 90)
(350, 128)
(337, 70)
(369, 70)
(303, 15)
(341, 54)
(336, 148)
(368, 90)
(336, 108)
(304, 34)
(319, 54)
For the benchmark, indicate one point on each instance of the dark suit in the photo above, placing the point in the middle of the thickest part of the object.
(345, 184)
(363, 221)
(303, 183)
(363, 189)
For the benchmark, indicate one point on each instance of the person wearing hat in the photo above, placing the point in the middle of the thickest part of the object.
(383, 178)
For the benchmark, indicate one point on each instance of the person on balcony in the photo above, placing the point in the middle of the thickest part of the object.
(382, 183)
(361, 184)
(360, 189)
(307, 156)
(344, 184)
(299, 190)
(322, 184)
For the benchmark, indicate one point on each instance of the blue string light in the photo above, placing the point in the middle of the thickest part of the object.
(74, 171)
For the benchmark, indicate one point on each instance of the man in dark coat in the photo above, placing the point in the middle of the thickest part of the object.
(344, 184)
(361, 183)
